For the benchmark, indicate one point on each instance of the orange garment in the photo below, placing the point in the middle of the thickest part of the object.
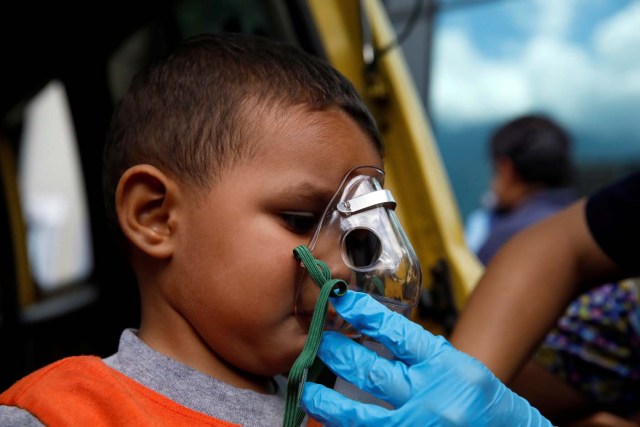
(83, 390)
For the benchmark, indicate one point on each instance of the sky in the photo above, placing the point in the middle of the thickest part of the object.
(577, 60)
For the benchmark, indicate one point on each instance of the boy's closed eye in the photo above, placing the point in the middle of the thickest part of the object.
(299, 222)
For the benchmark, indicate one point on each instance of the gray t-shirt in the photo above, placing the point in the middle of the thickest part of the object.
(183, 385)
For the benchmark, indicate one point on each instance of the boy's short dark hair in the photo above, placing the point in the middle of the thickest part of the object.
(188, 113)
(538, 147)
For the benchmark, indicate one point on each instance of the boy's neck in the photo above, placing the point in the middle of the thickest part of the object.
(201, 358)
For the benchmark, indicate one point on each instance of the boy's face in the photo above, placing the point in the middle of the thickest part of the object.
(235, 260)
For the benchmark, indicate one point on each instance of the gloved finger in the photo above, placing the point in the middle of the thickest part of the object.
(407, 340)
(386, 379)
(333, 409)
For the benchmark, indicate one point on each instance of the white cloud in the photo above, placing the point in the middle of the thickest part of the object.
(551, 17)
(472, 88)
(555, 16)
(618, 39)
(582, 85)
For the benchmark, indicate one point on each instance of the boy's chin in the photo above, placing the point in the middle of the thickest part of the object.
(286, 366)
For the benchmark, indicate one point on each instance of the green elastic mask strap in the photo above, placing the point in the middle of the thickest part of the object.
(304, 366)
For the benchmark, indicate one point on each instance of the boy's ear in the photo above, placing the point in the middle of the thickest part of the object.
(145, 203)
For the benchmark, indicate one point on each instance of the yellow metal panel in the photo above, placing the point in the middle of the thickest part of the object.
(338, 23)
(415, 174)
(26, 291)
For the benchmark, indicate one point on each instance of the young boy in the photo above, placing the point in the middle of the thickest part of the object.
(219, 161)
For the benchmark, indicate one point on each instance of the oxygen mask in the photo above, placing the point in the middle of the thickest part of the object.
(361, 241)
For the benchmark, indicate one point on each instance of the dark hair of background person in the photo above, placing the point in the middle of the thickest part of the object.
(189, 113)
(539, 149)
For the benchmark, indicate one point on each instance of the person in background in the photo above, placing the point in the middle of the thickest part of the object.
(527, 286)
(532, 170)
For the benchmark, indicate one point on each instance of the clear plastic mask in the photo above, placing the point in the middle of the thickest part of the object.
(363, 243)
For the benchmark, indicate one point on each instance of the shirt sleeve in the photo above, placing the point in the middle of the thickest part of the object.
(613, 217)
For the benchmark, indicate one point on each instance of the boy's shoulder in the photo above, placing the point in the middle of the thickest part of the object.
(83, 390)
(52, 378)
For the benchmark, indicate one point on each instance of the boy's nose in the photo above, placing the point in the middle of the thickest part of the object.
(337, 267)
(337, 270)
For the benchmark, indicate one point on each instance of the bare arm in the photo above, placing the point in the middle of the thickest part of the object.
(526, 288)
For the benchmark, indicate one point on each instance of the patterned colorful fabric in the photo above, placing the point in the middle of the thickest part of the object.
(595, 346)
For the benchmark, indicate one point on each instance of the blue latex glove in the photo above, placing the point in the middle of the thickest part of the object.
(429, 384)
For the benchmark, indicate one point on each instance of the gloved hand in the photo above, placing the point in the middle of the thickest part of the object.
(429, 383)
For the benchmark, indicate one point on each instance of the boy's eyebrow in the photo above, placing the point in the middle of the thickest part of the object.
(306, 192)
